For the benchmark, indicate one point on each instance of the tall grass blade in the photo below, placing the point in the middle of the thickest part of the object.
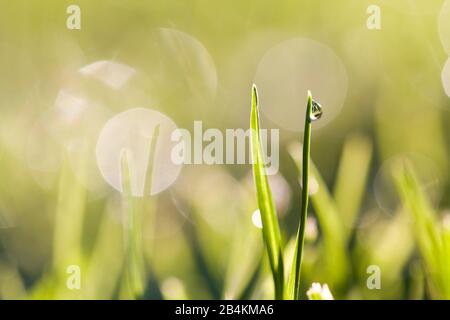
(334, 259)
(271, 230)
(294, 279)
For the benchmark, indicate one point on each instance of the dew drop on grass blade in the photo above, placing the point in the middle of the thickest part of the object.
(313, 113)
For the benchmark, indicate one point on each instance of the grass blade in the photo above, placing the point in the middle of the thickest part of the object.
(352, 176)
(294, 279)
(69, 219)
(107, 254)
(68, 229)
(134, 207)
(334, 249)
(134, 268)
(271, 230)
(429, 234)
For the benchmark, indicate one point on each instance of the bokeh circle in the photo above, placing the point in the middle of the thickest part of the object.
(288, 70)
(132, 131)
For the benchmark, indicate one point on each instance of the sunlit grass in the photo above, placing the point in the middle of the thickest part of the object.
(271, 230)
(313, 112)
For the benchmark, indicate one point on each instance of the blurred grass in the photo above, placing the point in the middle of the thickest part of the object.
(431, 237)
(134, 272)
(351, 179)
(395, 105)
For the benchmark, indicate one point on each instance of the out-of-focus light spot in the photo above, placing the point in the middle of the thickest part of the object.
(256, 219)
(173, 289)
(130, 130)
(69, 107)
(445, 76)
(313, 184)
(446, 220)
(190, 57)
(281, 193)
(175, 71)
(444, 25)
(311, 230)
(71, 126)
(113, 74)
(286, 73)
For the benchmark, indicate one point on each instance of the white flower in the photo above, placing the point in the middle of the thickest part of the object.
(319, 292)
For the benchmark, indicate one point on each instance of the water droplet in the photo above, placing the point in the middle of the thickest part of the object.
(316, 111)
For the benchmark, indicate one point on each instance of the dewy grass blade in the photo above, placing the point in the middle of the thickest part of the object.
(271, 230)
(313, 112)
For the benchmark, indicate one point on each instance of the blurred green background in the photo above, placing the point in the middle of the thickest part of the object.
(197, 60)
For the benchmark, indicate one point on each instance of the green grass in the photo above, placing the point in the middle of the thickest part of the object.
(134, 207)
(336, 212)
(431, 236)
(294, 279)
(271, 230)
(333, 247)
(351, 179)
(134, 268)
(69, 219)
